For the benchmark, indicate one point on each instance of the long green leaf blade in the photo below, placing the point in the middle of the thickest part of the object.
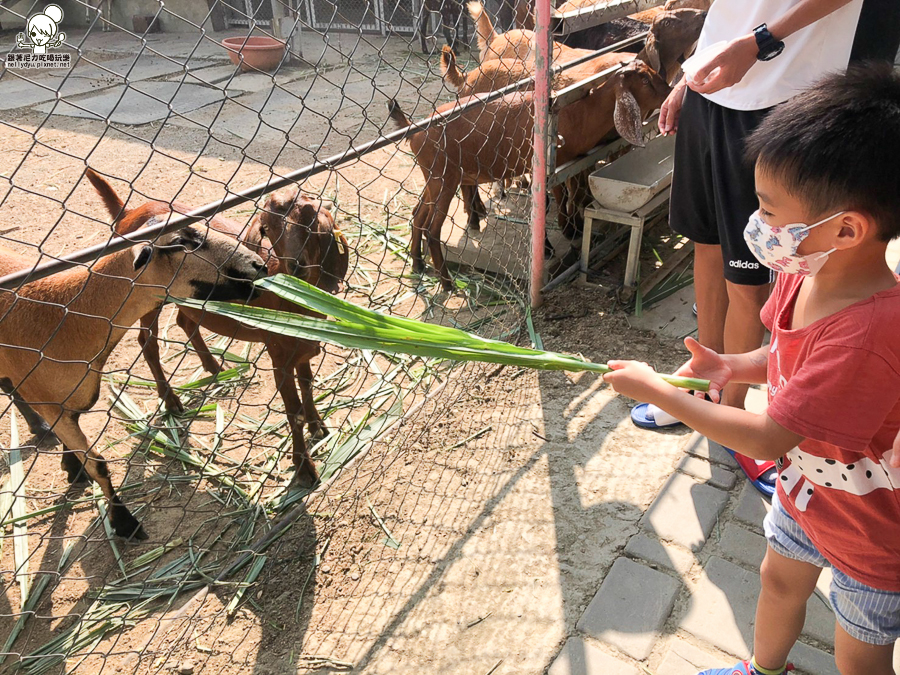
(360, 328)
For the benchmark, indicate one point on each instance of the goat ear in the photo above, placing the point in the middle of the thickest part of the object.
(335, 259)
(281, 202)
(252, 237)
(142, 256)
(627, 117)
(308, 214)
(651, 51)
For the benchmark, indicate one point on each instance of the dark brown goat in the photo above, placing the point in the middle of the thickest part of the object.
(493, 142)
(294, 235)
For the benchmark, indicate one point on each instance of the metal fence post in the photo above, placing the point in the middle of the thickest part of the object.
(542, 63)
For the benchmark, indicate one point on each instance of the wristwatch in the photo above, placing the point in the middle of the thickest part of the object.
(768, 46)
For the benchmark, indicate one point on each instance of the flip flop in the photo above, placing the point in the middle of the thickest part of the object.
(648, 416)
(761, 475)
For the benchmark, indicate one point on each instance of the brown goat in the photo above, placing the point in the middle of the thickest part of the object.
(499, 73)
(58, 332)
(672, 36)
(493, 142)
(703, 5)
(295, 235)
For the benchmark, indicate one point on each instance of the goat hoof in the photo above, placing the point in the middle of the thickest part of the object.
(172, 403)
(129, 528)
(475, 226)
(318, 431)
(306, 476)
(123, 523)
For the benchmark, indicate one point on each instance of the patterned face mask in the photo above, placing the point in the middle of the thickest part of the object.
(776, 247)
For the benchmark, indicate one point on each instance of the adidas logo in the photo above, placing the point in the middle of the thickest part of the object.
(743, 264)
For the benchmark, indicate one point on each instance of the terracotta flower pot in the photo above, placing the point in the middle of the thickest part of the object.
(259, 53)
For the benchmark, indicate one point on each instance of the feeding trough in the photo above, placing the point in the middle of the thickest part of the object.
(631, 181)
(254, 53)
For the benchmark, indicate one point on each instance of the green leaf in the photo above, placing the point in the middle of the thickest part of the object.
(359, 328)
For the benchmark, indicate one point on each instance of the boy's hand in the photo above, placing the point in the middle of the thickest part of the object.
(636, 380)
(708, 365)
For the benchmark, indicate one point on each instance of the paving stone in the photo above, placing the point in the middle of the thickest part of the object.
(581, 658)
(630, 608)
(711, 473)
(752, 507)
(723, 606)
(19, 93)
(701, 446)
(145, 67)
(138, 104)
(658, 553)
(685, 511)
(744, 546)
(683, 658)
(813, 661)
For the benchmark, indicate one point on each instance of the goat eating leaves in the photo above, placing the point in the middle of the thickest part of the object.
(58, 332)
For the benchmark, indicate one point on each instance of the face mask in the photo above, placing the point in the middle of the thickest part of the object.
(776, 247)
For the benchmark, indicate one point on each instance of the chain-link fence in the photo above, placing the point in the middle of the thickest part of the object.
(203, 436)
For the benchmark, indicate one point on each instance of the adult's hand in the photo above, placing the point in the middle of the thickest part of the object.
(726, 68)
(671, 108)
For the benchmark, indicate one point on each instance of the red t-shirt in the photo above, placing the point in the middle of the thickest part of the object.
(836, 382)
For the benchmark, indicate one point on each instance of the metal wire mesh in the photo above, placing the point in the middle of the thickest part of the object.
(166, 118)
(245, 569)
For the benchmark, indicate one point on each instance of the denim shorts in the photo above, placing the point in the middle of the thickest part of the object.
(867, 614)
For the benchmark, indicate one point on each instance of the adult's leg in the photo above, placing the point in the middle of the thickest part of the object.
(781, 609)
(692, 214)
(744, 331)
(711, 295)
(747, 280)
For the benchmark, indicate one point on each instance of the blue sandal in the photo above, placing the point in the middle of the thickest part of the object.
(651, 417)
(743, 668)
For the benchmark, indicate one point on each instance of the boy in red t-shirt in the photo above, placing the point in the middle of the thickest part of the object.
(828, 182)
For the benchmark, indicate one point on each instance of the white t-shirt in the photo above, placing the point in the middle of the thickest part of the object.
(810, 53)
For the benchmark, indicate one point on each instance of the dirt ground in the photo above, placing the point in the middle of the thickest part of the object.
(466, 541)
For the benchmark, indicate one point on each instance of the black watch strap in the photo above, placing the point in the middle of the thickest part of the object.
(766, 43)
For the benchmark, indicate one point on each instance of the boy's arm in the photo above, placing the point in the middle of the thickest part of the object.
(751, 434)
(749, 368)
(740, 55)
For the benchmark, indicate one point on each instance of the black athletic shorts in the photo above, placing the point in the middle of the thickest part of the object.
(713, 186)
(878, 31)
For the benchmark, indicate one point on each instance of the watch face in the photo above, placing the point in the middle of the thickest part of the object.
(771, 51)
